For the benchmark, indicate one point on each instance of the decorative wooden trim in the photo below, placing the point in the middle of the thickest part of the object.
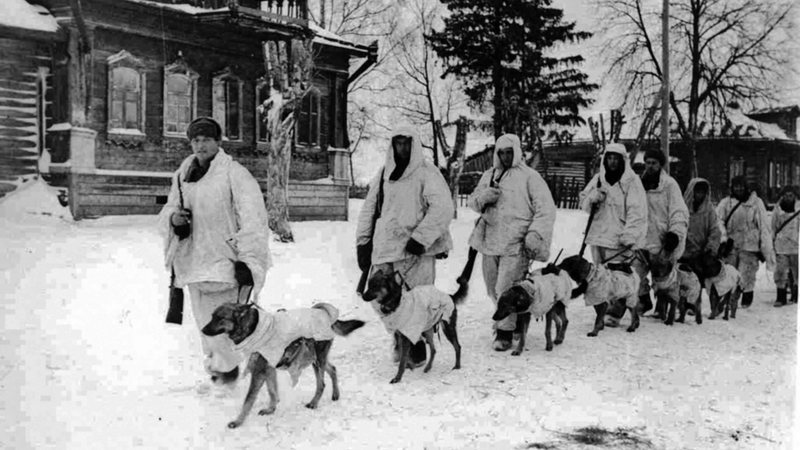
(179, 67)
(228, 74)
(124, 59)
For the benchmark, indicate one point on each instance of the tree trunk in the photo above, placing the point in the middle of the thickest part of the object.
(455, 163)
(279, 159)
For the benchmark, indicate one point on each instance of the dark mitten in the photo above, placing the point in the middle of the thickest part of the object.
(442, 255)
(242, 274)
(551, 268)
(182, 231)
(671, 241)
(414, 247)
(364, 256)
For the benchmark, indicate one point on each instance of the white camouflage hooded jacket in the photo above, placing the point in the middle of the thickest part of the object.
(523, 214)
(229, 223)
(417, 205)
(621, 218)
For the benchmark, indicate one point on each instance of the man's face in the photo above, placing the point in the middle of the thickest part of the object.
(506, 156)
(789, 197)
(402, 147)
(652, 166)
(738, 190)
(613, 162)
(204, 148)
(699, 195)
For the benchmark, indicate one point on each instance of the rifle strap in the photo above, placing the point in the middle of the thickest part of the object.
(783, 225)
(730, 214)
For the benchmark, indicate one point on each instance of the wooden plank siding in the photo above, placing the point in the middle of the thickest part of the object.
(93, 195)
(24, 110)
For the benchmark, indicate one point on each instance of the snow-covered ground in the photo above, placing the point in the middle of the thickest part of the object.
(86, 360)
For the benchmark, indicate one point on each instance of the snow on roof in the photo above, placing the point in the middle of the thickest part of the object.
(332, 39)
(21, 14)
(775, 110)
(179, 7)
(759, 129)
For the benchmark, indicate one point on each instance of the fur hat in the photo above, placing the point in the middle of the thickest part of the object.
(204, 126)
(787, 189)
(655, 154)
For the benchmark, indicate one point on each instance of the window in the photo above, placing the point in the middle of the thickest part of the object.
(227, 104)
(735, 167)
(308, 120)
(126, 81)
(180, 97)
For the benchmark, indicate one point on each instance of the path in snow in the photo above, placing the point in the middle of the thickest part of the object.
(86, 360)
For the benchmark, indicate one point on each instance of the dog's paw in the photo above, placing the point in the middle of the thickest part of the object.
(631, 329)
(725, 318)
(395, 380)
(311, 405)
(591, 334)
(266, 411)
(669, 322)
(234, 424)
(335, 397)
(548, 347)
(699, 320)
(558, 341)
(679, 320)
(516, 352)
(457, 366)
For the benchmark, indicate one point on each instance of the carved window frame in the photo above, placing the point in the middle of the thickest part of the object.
(220, 81)
(179, 68)
(124, 60)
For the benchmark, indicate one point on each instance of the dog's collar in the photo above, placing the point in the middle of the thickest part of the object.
(528, 285)
(264, 329)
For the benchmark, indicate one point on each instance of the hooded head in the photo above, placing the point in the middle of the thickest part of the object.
(615, 163)
(788, 199)
(501, 153)
(696, 195)
(404, 154)
(739, 189)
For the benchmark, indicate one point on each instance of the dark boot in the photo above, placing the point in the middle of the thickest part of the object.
(747, 299)
(780, 299)
(226, 377)
(645, 303)
(502, 340)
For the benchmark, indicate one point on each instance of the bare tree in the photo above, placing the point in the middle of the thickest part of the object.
(290, 82)
(720, 51)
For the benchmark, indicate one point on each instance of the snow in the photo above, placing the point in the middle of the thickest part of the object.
(87, 361)
(330, 38)
(62, 126)
(179, 7)
(21, 14)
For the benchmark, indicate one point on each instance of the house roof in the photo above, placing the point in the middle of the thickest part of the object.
(331, 39)
(789, 109)
(33, 20)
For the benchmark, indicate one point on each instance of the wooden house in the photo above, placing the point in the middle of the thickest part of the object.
(128, 76)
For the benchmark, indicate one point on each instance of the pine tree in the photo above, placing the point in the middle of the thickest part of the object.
(503, 48)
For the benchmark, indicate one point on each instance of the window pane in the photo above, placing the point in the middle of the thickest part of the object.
(178, 108)
(314, 132)
(116, 114)
(232, 109)
(132, 115)
(179, 84)
(125, 98)
(125, 79)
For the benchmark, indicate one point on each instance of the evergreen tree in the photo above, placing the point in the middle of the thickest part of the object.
(504, 48)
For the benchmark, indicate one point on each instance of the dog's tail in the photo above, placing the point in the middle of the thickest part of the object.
(345, 327)
(461, 293)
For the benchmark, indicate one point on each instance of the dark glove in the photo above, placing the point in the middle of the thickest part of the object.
(184, 227)
(242, 274)
(414, 247)
(364, 256)
(442, 255)
(671, 241)
(551, 268)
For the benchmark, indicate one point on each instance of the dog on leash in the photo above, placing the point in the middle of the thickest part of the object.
(291, 339)
(723, 282)
(602, 284)
(675, 286)
(415, 314)
(541, 293)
